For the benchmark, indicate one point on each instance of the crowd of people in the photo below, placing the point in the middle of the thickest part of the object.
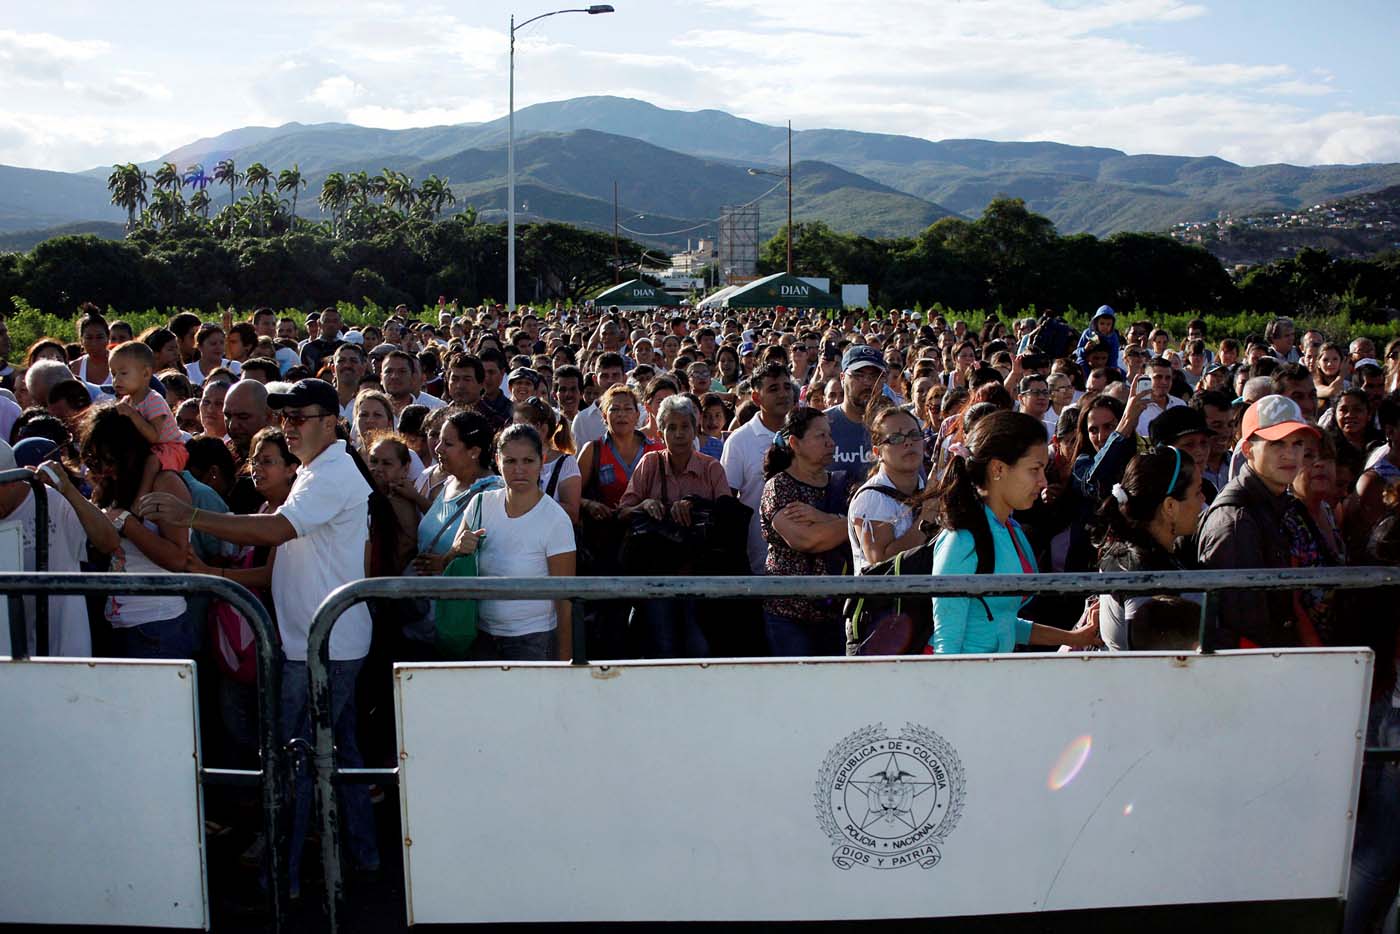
(294, 454)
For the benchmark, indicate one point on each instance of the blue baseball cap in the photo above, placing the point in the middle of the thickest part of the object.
(862, 355)
(746, 348)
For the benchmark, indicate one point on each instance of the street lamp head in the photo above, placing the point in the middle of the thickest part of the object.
(597, 8)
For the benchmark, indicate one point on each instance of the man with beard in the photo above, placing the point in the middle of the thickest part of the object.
(862, 373)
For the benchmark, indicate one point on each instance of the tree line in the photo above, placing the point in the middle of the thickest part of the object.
(1012, 258)
(385, 241)
(359, 204)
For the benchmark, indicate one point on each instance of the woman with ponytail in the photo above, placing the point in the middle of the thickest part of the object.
(1158, 500)
(998, 470)
(801, 518)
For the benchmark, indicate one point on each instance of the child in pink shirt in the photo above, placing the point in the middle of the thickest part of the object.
(132, 364)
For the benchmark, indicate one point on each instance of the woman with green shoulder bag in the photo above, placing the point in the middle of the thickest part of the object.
(464, 454)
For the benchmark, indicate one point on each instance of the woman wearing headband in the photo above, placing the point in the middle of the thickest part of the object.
(1158, 500)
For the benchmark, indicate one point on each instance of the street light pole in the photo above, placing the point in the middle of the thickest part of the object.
(510, 144)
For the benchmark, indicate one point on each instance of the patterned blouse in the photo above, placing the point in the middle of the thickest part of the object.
(785, 560)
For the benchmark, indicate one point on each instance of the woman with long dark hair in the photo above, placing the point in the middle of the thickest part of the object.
(1158, 501)
(999, 469)
(113, 451)
(801, 517)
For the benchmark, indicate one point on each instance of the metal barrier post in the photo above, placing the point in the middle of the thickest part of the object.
(577, 589)
(19, 632)
(271, 775)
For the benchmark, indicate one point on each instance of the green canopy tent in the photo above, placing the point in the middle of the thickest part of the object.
(781, 289)
(636, 293)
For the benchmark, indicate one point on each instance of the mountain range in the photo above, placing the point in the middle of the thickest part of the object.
(675, 169)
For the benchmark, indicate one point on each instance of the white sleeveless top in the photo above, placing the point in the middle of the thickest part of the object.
(82, 372)
(126, 611)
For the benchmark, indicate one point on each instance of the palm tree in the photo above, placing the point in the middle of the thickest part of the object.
(226, 173)
(200, 202)
(166, 206)
(127, 183)
(168, 180)
(359, 187)
(398, 191)
(433, 194)
(257, 174)
(334, 196)
(291, 180)
(379, 184)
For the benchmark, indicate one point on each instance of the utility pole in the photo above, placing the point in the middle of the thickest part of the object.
(789, 187)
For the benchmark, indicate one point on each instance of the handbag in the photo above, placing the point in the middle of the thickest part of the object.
(455, 621)
(655, 546)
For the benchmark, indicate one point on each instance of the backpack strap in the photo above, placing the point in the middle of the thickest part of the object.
(554, 476)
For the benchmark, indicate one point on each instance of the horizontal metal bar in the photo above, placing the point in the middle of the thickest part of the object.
(595, 588)
(1382, 754)
(367, 776)
(240, 777)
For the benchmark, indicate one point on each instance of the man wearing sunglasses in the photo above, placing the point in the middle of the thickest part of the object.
(321, 534)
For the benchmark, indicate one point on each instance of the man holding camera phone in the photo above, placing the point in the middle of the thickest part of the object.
(1158, 382)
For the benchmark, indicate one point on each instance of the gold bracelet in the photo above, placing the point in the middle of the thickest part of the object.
(194, 515)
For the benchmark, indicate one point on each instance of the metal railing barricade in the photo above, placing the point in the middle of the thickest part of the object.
(19, 632)
(271, 776)
(580, 589)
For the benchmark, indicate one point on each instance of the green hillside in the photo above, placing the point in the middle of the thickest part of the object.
(579, 146)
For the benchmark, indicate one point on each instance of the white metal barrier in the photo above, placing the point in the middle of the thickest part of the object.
(841, 789)
(101, 820)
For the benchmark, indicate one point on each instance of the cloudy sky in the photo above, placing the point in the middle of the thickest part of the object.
(1254, 81)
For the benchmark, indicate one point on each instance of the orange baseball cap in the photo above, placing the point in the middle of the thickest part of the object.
(1275, 417)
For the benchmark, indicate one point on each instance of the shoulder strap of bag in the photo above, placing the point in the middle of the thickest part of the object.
(665, 499)
(554, 476)
(466, 501)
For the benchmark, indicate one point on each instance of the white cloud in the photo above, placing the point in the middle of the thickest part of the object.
(338, 93)
(1013, 69)
(1089, 72)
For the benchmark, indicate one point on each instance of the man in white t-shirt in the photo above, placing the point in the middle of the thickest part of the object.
(73, 523)
(321, 534)
(1160, 370)
(745, 449)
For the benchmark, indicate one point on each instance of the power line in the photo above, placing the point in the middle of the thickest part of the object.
(713, 220)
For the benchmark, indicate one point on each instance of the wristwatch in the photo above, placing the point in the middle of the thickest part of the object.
(120, 520)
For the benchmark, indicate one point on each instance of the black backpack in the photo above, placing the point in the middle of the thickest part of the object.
(1055, 339)
(864, 615)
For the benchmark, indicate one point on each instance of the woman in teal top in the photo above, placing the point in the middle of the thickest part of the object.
(1001, 468)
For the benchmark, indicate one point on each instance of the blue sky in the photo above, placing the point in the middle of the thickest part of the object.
(1247, 80)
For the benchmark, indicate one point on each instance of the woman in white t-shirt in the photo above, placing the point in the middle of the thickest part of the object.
(520, 533)
(881, 519)
(559, 475)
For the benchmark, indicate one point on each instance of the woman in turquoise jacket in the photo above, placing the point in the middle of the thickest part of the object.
(999, 469)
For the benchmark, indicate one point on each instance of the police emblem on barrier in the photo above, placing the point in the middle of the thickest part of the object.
(889, 802)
